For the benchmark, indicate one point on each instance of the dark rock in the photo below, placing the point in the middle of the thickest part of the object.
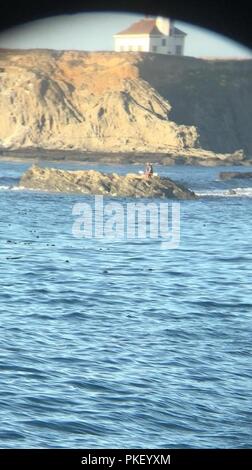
(229, 175)
(106, 184)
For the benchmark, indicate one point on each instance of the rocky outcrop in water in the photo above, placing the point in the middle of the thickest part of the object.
(97, 183)
(125, 102)
(229, 175)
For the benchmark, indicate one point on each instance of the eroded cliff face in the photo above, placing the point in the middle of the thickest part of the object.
(105, 102)
(87, 101)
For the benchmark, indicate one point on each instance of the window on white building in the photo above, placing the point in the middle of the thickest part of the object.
(163, 42)
(154, 48)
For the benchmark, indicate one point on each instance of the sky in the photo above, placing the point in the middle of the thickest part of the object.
(94, 31)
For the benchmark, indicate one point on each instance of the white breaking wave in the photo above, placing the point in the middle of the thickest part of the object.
(19, 188)
(235, 192)
(14, 188)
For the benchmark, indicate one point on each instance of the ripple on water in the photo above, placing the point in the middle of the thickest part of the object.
(121, 344)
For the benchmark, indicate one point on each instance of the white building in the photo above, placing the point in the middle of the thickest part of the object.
(151, 35)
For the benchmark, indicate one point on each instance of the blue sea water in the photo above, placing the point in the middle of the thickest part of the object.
(119, 343)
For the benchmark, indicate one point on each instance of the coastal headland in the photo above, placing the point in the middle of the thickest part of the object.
(132, 107)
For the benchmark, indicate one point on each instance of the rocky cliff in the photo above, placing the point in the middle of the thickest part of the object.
(215, 96)
(95, 182)
(124, 102)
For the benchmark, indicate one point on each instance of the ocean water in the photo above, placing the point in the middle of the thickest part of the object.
(120, 343)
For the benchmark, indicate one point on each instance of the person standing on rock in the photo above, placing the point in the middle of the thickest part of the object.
(148, 170)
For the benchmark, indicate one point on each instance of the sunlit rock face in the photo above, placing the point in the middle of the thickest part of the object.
(122, 102)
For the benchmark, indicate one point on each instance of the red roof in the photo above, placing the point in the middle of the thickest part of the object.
(146, 26)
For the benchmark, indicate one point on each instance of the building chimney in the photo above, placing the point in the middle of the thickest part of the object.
(163, 24)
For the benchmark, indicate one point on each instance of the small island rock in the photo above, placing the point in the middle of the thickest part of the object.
(106, 184)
